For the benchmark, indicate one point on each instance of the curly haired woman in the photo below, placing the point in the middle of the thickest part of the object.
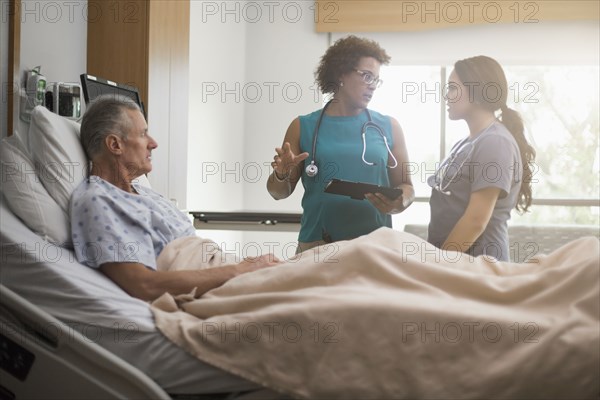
(344, 140)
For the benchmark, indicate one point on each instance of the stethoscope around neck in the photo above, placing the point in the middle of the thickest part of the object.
(436, 181)
(312, 170)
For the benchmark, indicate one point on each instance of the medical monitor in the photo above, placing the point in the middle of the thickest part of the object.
(94, 86)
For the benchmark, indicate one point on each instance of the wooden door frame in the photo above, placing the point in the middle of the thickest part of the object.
(14, 63)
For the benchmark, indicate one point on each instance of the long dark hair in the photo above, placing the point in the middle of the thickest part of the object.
(488, 86)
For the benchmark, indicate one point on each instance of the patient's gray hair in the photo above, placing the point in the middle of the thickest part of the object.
(105, 115)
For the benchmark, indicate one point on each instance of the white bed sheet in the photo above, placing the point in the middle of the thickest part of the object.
(50, 277)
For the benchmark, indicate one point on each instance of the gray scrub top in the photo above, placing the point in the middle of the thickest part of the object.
(491, 159)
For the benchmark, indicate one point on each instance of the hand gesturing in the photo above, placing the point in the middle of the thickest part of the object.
(285, 160)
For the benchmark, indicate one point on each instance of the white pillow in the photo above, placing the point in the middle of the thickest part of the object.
(27, 197)
(57, 153)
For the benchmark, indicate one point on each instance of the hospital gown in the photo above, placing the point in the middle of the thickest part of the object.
(111, 225)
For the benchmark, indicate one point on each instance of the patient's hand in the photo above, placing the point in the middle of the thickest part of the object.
(255, 263)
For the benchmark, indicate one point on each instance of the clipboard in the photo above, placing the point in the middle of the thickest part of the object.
(357, 190)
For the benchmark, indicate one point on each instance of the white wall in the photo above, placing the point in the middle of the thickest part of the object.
(217, 57)
(282, 58)
(246, 87)
(54, 36)
(283, 54)
(252, 67)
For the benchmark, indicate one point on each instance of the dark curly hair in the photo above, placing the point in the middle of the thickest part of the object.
(342, 57)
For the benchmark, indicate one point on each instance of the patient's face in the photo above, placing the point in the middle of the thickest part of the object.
(137, 148)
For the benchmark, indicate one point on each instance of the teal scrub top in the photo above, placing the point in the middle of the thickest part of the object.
(332, 217)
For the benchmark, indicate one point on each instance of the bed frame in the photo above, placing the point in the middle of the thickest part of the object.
(43, 357)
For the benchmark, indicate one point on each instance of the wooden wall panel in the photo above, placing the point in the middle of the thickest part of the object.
(14, 64)
(117, 42)
(398, 16)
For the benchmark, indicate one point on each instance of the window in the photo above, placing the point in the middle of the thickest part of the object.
(559, 106)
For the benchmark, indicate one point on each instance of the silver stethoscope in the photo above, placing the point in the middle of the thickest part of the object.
(436, 180)
(312, 170)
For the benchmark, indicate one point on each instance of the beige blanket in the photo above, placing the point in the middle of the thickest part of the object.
(389, 316)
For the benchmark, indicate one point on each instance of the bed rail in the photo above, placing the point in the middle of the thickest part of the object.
(41, 357)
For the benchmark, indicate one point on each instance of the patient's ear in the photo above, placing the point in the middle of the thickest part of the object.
(114, 143)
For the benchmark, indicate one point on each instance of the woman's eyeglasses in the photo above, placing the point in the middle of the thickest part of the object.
(369, 79)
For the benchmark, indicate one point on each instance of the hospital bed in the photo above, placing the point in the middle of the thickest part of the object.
(67, 331)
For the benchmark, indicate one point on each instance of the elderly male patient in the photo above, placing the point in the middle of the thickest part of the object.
(121, 227)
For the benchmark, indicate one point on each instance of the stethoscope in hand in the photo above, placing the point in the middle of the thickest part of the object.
(312, 170)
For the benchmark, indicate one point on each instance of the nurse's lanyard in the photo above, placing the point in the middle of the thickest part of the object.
(312, 170)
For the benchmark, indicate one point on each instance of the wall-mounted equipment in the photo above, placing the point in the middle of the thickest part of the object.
(64, 99)
(33, 95)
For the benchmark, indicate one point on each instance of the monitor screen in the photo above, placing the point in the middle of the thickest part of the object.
(94, 86)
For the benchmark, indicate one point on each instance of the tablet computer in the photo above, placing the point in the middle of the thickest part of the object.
(357, 190)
